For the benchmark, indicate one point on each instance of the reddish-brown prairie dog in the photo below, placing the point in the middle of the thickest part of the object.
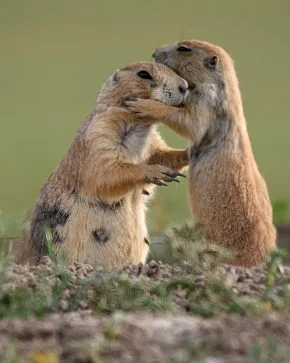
(228, 194)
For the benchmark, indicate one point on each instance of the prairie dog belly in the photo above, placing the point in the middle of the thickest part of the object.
(106, 234)
(113, 233)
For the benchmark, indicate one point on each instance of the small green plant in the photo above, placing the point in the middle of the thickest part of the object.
(186, 246)
(274, 266)
(58, 259)
(110, 291)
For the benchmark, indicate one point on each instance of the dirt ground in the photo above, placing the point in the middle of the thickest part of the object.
(144, 337)
(181, 336)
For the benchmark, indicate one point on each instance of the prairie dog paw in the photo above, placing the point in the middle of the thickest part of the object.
(160, 175)
(143, 108)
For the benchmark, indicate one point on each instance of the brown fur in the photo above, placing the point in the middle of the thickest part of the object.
(228, 195)
(93, 202)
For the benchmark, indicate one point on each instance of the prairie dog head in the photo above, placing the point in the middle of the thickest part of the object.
(208, 69)
(146, 80)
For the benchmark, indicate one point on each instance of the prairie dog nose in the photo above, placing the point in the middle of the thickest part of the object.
(183, 87)
(158, 53)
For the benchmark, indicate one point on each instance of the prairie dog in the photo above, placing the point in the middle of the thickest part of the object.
(228, 194)
(93, 204)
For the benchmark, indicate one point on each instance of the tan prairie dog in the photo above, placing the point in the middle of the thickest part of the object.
(94, 202)
(228, 195)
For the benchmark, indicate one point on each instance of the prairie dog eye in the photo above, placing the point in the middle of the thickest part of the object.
(212, 62)
(144, 74)
(115, 78)
(183, 49)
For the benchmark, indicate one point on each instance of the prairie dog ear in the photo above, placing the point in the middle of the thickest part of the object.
(115, 77)
(212, 62)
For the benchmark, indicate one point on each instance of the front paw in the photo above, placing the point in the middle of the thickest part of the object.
(142, 108)
(160, 175)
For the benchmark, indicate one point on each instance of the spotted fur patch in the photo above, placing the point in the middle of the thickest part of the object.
(100, 235)
(146, 241)
(48, 216)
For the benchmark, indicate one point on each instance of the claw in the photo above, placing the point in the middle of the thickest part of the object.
(159, 182)
(169, 180)
(170, 175)
(180, 174)
(174, 174)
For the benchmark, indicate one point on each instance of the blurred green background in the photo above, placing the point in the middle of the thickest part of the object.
(55, 54)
